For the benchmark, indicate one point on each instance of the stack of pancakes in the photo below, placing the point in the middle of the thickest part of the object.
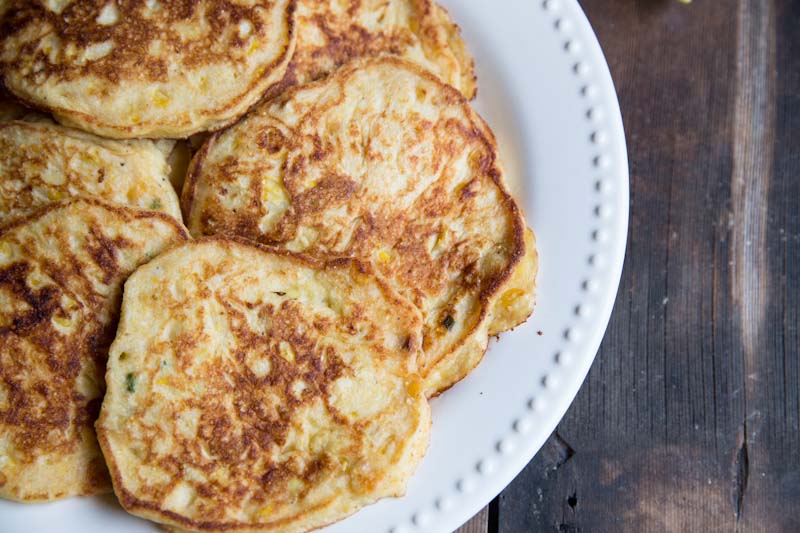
(351, 246)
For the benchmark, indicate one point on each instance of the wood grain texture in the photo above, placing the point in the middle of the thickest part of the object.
(477, 524)
(689, 418)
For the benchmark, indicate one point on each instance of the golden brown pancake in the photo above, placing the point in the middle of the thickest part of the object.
(61, 274)
(145, 68)
(332, 33)
(383, 162)
(257, 390)
(43, 162)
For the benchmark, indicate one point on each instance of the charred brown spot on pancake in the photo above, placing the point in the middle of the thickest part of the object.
(40, 304)
(104, 251)
(329, 192)
(271, 140)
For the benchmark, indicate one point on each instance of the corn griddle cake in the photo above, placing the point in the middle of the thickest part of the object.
(145, 68)
(331, 34)
(61, 274)
(383, 162)
(42, 162)
(251, 389)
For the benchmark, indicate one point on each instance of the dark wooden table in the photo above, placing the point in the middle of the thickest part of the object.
(688, 420)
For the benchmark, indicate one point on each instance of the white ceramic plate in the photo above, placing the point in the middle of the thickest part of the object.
(545, 89)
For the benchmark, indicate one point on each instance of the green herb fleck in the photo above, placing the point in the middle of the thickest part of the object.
(130, 382)
(123, 356)
(448, 322)
(155, 204)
